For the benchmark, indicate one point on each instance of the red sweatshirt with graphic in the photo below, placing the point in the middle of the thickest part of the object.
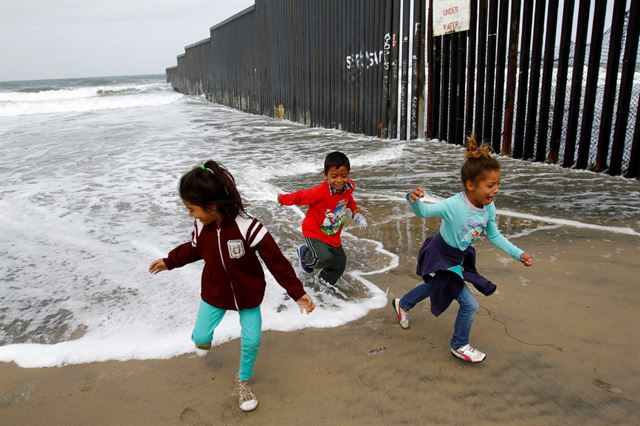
(327, 211)
(233, 277)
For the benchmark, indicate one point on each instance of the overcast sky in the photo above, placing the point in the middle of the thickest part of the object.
(89, 38)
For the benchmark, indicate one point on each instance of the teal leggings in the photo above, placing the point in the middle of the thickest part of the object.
(251, 324)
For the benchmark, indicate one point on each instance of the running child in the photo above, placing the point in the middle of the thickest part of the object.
(229, 240)
(322, 225)
(448, 259)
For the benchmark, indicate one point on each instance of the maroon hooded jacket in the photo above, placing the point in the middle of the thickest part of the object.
(233, 277)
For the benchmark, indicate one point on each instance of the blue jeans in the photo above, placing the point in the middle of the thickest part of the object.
(464, 320)
(251, 324)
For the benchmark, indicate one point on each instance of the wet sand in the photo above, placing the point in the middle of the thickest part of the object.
(561, 337)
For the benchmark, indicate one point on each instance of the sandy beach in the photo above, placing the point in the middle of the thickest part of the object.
(561, 339)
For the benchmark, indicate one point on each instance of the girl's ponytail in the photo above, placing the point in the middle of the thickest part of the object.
(478, 160)
(211, 183)
(477, 152)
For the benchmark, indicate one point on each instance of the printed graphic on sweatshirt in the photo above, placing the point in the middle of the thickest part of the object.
(236, 249)
(473, 229)
(333, 220)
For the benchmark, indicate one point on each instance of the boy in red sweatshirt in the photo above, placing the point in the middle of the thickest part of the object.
(327, 213)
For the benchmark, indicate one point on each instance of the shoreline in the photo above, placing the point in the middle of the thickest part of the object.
(557, 336)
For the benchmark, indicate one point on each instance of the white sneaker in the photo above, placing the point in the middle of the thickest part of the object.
(247, 400)
(202, 350)
(468, 354)
(401, 314)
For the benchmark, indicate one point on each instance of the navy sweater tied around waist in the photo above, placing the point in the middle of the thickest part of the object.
(435, 259)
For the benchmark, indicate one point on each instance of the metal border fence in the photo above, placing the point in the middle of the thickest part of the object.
(540, 80)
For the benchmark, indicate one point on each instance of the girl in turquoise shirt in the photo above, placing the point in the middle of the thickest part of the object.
(447, 259)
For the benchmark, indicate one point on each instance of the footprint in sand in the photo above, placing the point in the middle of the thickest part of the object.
(376, 351)
(191, 417)
(607, 386)
(90, 383)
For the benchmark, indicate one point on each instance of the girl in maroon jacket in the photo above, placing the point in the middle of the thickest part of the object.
(228, 240)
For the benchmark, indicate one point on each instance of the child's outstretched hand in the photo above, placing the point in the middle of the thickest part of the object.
(360, 220)
(416, 194)
(526, 259)
(157, 265)
(306, 304)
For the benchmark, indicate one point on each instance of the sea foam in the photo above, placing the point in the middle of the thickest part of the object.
(89, 200)
(84, 99)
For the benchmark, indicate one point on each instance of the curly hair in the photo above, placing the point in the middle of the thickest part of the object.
(478, 161)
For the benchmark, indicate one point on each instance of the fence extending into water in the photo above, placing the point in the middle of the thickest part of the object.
(541, 80)
(517, 80)
(346, 64)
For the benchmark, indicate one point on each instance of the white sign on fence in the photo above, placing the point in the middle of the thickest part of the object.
(450, 16)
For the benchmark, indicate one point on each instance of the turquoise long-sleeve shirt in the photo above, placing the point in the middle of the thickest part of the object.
(462, 223)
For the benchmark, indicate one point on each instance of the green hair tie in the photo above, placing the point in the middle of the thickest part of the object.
(203, 167)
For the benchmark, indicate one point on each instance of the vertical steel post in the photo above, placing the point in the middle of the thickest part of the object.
(446, 84)
(560, 95)
(439, 87)
(400, 68)
(626, 87)
(471, 67)
(633, 171)
(576, 83)
(412, 126)
(500, 64)
(431, 81)
(613, 60)
(409, 70)
(547, 77)
(480, 68)
(460, 76)
(521, 108)
(386, 63)
(453, 87)
(491, 72)
(394, 89)
(534, 81)
(595, 51)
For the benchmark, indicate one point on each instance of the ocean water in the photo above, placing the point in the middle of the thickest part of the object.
(88, 198)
